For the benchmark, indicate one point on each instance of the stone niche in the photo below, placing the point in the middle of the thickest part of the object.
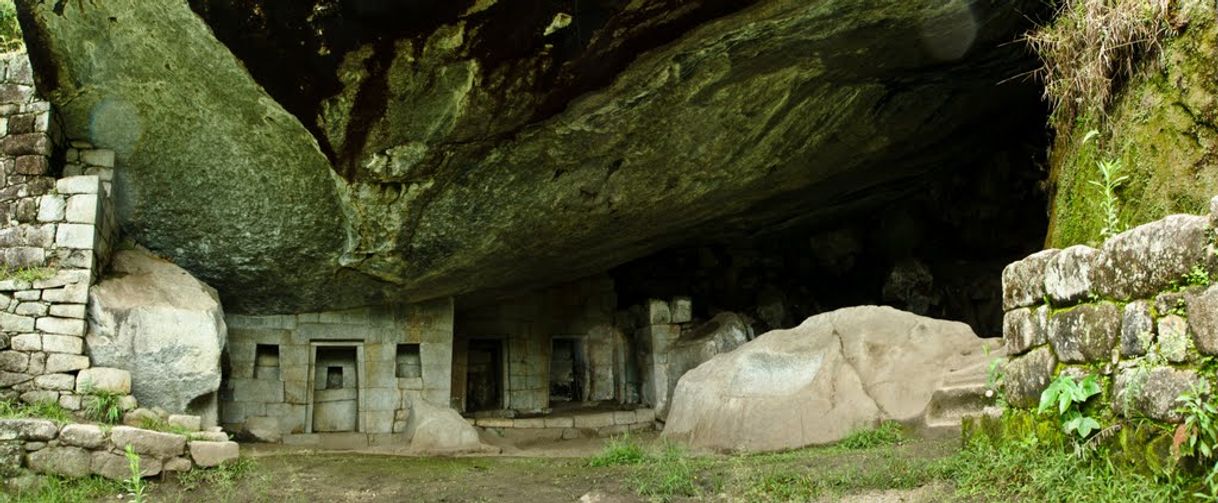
(361, 371)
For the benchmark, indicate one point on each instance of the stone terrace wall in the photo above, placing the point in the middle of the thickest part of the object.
(1140, 308)
(61, 229)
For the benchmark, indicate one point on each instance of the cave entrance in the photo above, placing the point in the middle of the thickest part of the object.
(336, 380)
(568, 370)
(484, 375)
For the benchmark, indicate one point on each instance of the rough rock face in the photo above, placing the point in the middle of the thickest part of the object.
(440, 430)
(818, 382)
(723, 333)
(431, 148)
(166, 328)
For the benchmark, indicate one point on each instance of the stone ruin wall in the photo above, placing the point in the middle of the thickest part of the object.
(57, 220)
(64, 228)
(1140, 310)
(273, 390)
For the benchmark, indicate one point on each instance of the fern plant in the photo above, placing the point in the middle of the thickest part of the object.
(1197, 437)
(1069, 396)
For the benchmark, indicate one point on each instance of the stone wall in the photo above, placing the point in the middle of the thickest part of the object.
(1139, 310)
(278, 380)
(55, 235)
(79, 450)
(525, 327)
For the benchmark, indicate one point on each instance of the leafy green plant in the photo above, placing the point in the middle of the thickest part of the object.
(1197, 276)
(10, 30)
(1197, 437)
(994, 378)
(1110, 180)
(888, 433)
(1069, 395)
(135, 484)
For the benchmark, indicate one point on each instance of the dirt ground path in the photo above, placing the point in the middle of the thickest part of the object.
(559, 472)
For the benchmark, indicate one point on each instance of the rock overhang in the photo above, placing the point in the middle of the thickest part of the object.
(737, 118)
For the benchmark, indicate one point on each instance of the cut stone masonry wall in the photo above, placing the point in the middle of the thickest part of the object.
(1141, 308)
(55, 236)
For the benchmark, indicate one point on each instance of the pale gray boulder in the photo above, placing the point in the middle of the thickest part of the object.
(816, 383)
(166, 328)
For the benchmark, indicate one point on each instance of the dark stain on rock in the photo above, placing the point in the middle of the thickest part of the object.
(38, 49)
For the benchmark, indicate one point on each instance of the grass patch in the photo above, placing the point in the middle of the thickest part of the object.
(103, 406)
(54, 489)
(223, 477)
(888, 433)
(1092, 45)
(623, 450)
(40, 410)
(28, 274)
(10, 30)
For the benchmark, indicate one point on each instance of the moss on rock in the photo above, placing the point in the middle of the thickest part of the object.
(1163, 128)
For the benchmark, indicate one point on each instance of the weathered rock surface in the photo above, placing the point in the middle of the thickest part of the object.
(1023, 281)
(166, 328)
(1069, 275)
(209, 454)
(148, 442)
(1025, 328)
(1087, 333)
(470, 148)
(1203, 317)
(1027, 376)
(70, 462)
(1147, 259)
(818, 382)
(439, 430)
(1153, 393)
(723, 333)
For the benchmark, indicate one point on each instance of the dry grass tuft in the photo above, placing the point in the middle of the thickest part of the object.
(1093, 44)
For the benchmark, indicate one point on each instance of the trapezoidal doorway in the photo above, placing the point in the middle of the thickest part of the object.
(335, 406)
(568, 370)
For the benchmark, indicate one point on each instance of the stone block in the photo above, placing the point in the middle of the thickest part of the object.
(26, 144)
(13, 323)
(263, 429)
(63, 277)
(1023, 282)
(114, 466)
(109, 380)
(36, 430)
(682, 309)
(57, 363)
(148, 442)
(88, 436)
(209, 454)
(1174, 338)
(32, 309)
(40, 396)
(139, 416)
(559, 422)
(1202, 309)
(78, 236)
(1024, 328)
(24, 256)
(63, 326)
(658, 312)
(178, 465)
(27, 295)
(14, 361)
(83, 209)
(186, 422)
(71, 294)
(257, 390)
(1027, 376)
(1147, 259)
(1137, 329)
(32, 165)
(69, 462)
(645, 415)
(55, 382)
(67, 310)
(1069, 275)
(1153, 393)
(98, 157)
(10, 379)
(595, 420)
(70, 402)
(1087, 333)
(84, 184)
(624, 417)
(62, 343)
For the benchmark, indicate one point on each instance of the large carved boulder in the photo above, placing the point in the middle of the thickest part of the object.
(818, 382)
(166, 328)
